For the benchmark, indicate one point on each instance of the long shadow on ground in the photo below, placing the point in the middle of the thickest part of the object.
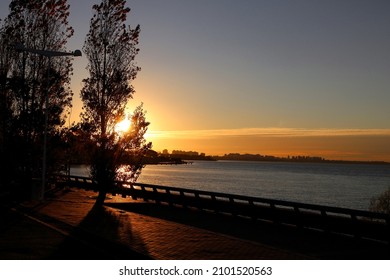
(313, 244)
(97, 237)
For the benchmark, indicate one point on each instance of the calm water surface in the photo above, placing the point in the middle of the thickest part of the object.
(342, 185)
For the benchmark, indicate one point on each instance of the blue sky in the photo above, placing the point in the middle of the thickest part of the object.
(304, 64)
(227, 65)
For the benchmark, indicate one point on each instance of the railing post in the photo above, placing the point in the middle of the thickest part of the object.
(298, 217)
(122, 191)
(326, 227)
(182, 196)
(274, 213)
(252, 205)
(232, 208)
(156, 194)
(214, 199)
(355, 226)
(169, 197)
(132, 192)
(143, 192)
(198, 201)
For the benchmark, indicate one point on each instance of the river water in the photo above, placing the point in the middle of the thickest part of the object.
(341, 185)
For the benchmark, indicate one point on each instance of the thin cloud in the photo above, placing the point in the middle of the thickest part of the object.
(267, 132)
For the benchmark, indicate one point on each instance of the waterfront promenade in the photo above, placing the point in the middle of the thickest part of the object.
(67, 226)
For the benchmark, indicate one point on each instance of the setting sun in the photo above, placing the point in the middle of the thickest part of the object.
(123, 126)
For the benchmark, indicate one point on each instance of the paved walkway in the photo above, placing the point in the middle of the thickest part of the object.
(67, 226)
(43, 229)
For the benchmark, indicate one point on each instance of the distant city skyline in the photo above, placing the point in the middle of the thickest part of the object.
(305, 77)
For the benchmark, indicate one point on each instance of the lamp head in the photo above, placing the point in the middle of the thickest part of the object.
(77, 53)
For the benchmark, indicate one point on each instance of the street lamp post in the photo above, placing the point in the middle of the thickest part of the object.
(49, 54)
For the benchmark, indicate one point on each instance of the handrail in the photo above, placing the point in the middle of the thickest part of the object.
(276, 202)
(358, 223)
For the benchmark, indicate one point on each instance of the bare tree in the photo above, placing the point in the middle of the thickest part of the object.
(111, 47)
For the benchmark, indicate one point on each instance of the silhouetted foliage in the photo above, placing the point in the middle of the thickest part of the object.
(43, 25)
(132, 147)
(111, 47)
(381, 203)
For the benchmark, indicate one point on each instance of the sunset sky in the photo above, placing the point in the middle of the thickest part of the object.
(276, 77)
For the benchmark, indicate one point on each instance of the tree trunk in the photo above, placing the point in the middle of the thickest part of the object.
(101, 196)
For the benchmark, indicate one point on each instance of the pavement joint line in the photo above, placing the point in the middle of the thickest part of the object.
(64, 233)
(67, 234)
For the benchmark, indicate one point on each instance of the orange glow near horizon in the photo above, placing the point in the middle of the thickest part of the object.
(343, 144)
(346, 144)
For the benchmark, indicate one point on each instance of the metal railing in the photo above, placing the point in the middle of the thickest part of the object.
(357, 223)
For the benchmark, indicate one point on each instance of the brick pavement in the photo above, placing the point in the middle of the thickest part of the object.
(151, 236)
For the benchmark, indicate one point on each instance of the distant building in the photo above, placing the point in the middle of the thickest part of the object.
(184, 153)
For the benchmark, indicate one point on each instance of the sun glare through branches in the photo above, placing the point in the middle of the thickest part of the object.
(123, 126)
